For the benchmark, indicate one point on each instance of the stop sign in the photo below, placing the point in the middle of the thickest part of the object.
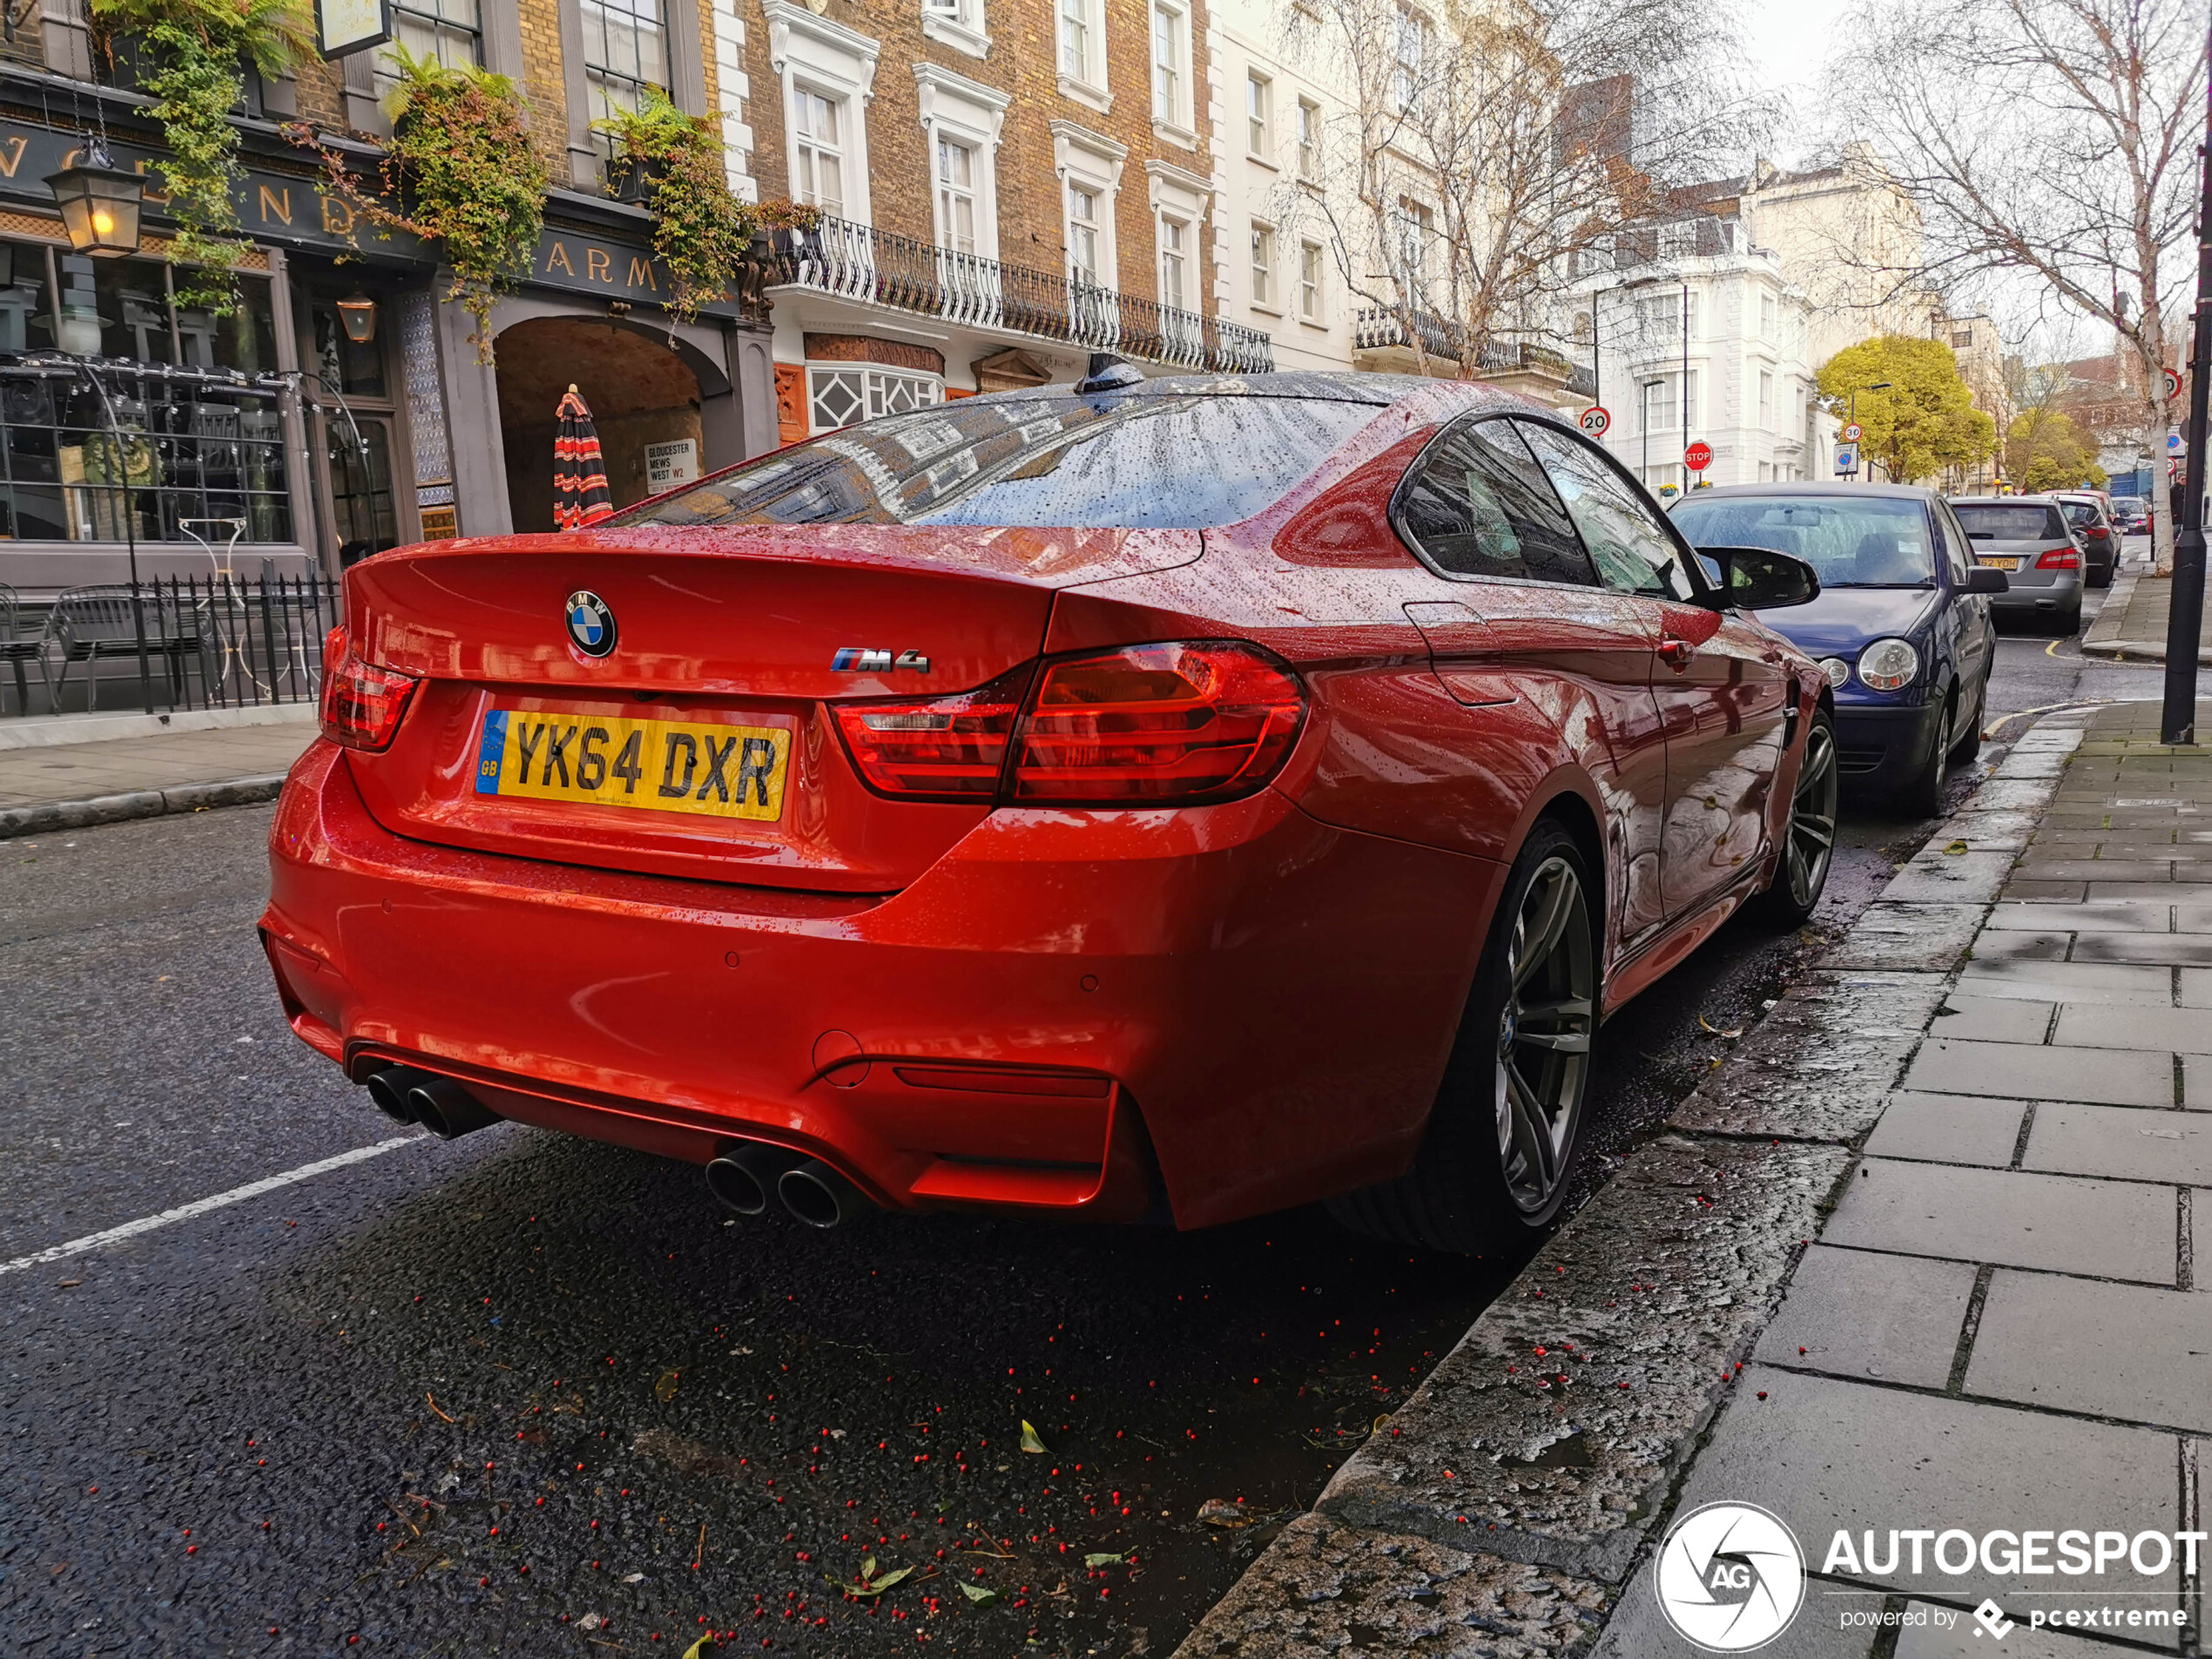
(1698, 456)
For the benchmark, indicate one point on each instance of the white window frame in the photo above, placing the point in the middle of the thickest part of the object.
(881, 389)
(1094, 161)
(1766, 400)
(834, 62)
(1084, 233)
(809, 193)
(1259, 116)
(1769, 319)
(1313, 283)
(1308, 139)
(1089, 85)
(1185, 197)
(959, 23)
(974, 115)
(1265, 271)
(1407, 72)
(1185, 257)
(1171, 117)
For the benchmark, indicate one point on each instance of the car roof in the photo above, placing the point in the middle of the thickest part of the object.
(1337, 386)
(1812, 487)
(1999, 501)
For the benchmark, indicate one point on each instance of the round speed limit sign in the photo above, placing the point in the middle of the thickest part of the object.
(1595, 420)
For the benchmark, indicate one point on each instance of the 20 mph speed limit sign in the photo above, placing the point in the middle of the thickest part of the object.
(1595, 420)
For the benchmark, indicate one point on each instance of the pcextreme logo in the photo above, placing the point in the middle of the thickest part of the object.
(1729, 1577)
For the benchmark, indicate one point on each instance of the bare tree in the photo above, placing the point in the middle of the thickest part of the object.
(2050, 138)
(1484, 144)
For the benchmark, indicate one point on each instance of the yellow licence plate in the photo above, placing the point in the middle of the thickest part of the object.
(661, 765)
(1997, 562)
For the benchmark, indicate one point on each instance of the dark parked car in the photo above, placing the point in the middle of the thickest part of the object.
(1901, 627)
(2027, 537)
(2131, 515)
(2094, 527)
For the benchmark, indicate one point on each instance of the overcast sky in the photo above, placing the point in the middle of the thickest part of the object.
(1787, 42)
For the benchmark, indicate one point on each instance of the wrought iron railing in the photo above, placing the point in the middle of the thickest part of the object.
(187, 643)
(878, 267)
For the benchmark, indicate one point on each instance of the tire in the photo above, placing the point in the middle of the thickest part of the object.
(1493, 1171)
(1809, 842)
(1969, 743)
(1921, 796)
(2070, 624)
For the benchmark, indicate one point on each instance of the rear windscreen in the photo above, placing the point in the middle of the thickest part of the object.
(2007, 522)
(2081, 514)
(1106, 463)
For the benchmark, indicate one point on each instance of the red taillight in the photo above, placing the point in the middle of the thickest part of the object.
(2060, 559)
(361, 704)
(1144, 725)
(1156, 723)
(2095, 532)
(952, 747)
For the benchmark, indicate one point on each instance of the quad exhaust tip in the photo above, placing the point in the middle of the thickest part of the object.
(749, 1179)
(408, 1095)
(745, 1180)
(818, 1195)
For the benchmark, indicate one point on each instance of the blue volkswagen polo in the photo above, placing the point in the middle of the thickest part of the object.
(1901, 626)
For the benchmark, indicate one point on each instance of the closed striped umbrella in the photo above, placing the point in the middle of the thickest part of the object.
(579, 471)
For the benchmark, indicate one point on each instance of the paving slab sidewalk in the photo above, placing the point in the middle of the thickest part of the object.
(1919, 1255)
(49, 786)
(2131, 624)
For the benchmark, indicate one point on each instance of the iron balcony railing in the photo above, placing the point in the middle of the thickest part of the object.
(878, 267)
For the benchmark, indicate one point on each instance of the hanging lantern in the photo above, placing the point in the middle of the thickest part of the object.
(100, 204)
(357, 313)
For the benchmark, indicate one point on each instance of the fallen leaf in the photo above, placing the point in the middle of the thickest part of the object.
(981, 1594)
(633, 1578)
(868, 1585)
(1717, 1031)
(1219, 1512)
(590, 1621)
(1955, 849)
(665, 1390)
(700, 1648)
(1029, 1440)
(1102, 1559)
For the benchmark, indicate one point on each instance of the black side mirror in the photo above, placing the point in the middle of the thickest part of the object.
(1758, 579)
(1984, 579)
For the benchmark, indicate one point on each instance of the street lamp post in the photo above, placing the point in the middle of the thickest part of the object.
(2185, 619)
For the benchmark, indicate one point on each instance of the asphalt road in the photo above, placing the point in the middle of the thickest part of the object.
(520, 1395)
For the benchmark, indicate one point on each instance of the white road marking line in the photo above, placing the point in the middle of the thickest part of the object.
(201, 1206)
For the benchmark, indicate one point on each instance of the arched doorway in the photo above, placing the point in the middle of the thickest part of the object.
(641, 394)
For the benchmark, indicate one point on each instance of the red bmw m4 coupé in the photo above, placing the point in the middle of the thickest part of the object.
(1182, 798)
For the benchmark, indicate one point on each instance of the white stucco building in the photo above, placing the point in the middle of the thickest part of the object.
(1742, 382)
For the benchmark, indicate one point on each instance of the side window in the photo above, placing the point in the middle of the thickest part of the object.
(1956, 551)
(1631, 548)
(1477, 505)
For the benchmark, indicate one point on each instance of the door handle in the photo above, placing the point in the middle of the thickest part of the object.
(1676, 653)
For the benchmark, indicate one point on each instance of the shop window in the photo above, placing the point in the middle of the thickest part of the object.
(840, 395)
(446, 31)
(626, 51)
(195, 440)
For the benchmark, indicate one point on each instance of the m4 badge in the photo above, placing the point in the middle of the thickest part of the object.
(861, 659)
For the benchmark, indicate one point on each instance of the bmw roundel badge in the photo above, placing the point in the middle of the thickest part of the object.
(591, 625)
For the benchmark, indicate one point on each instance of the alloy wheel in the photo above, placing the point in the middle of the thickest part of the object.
(1811, 840)
(1544, 1033)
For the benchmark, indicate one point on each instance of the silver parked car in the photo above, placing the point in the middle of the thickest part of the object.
(2029, 538)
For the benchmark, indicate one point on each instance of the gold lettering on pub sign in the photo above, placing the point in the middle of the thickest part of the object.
(11, 154)
(597, 266)
(559, 255)
(276, 201)
(337, 216)
(641, 273)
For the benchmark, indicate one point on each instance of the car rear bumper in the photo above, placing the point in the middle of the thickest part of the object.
(1879, 748)
(2029, 596)
(1256, 1004)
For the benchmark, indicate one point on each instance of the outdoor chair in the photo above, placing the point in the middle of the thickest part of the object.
(19, 642)
(96, 624)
